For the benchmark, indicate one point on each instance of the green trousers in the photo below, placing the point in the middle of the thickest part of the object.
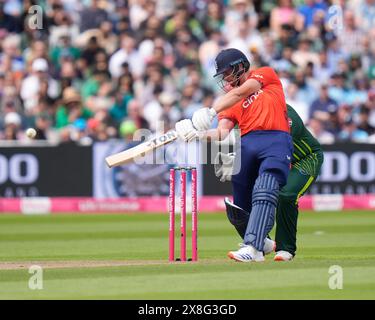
(300, 178)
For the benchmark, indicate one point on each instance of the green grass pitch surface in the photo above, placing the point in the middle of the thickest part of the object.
(139, 243)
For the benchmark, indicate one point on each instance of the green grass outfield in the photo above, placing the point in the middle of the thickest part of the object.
(124, 257)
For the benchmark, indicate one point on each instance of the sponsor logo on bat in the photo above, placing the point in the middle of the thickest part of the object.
(162, 139)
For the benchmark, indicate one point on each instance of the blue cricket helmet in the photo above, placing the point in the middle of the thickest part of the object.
(228, 59)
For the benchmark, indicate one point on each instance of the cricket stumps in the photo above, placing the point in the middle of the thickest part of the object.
(184, 173)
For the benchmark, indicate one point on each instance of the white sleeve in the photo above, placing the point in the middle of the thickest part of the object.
(115, 63)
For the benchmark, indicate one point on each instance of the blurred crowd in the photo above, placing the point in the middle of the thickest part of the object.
(93, 70)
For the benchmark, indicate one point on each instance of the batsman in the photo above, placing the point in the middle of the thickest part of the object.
(254, 100)
(306, 164)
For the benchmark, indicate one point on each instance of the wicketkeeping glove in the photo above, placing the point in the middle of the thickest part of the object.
(224, 163)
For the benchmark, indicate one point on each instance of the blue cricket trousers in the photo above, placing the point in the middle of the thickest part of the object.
(261, 152)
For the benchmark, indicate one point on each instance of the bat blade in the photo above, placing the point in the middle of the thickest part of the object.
(127, 156)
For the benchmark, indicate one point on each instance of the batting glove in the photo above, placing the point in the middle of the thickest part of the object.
(224, 163)
(202, 118)
(186, 131)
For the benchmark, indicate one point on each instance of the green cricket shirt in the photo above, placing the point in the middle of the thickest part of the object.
(308, 154)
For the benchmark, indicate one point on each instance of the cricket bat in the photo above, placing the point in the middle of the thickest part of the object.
(127, 156)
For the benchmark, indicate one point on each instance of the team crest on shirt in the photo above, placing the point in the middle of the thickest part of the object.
(250, 99)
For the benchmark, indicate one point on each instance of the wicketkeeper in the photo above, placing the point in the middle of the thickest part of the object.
(306, 163)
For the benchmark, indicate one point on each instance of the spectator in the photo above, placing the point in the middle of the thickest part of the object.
(334, 124)
(363, 121)
(124, 94)
(153, 110)
(350, 132)
(102, 100)
(92, 16)
(235, 13)
(71, 109)
(10, 101)
(11, 59)
(108, 39)
(92, 84)
(306, 88)
(66, 136)
(186, 50)
(287, 39)
(170, 112)
(64, 49)
(101, 62)
(151, 29)
(285, 64)
(12, 126)
(364, 13)
(127, 53)
(213, 19)
(152, 84)
(207, 101)
(315, 126)
(350, 36)
(338, 90)
(355, 68)
(322, 70)
(358, 92)
(247, 38)
(303, 55)
(37, 50)
(140, 11)
(183, 20)
(301, 107)
(284, 15)
(323, 105)
(8, 22)
(63, 25)
(343, 113)
(69, 74)
(91, 50)
(270, 53)
(42, 126)
(335, 53)
(310, 9)
(189, 100)
(31, 85)
(135, 115)
(208, 50)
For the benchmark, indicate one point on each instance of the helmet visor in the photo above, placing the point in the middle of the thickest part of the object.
(231, 78)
